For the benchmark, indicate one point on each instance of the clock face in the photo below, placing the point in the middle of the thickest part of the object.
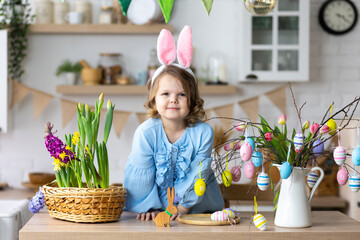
(338, 16)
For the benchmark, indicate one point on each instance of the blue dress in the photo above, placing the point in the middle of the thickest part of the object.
(155, 164)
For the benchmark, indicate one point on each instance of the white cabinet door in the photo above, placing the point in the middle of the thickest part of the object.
(3, 81)
(275, 48)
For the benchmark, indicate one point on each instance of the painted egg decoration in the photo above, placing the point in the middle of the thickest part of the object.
(318, 147)
(312, 178)
(342, 176)
(339, 155)
(251, 142)
(355, 156)
(332, 126)
(229, 212)
(236, 173)
(298, 141)
(263, 181)
(227, 178)
(285, 170)
(249, 170)
(200, 187)
(256, 159)
(222, 215)
(246, 151)
(354, 183)
(260, 222)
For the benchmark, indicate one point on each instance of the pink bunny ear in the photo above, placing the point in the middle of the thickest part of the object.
(184, 47)
(166, 47)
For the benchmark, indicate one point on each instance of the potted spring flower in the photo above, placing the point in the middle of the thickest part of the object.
(71, 71)
(80, 157)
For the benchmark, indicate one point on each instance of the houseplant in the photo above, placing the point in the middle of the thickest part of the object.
(68, 198)
(16, 17)
(70, 69)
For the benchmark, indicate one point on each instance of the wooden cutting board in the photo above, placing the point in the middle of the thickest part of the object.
(204, 219)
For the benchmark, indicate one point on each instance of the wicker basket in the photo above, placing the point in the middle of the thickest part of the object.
(85, 205)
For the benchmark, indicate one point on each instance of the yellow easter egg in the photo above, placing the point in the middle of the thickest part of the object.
(332, 126)
(200, 187)
(227, 178)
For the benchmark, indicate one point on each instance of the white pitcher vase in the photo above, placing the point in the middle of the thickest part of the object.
(293, 207)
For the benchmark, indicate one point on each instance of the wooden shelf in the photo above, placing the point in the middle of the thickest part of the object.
(135, 89)
(98, 28)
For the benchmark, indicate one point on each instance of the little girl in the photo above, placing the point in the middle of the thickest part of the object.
(168, 147)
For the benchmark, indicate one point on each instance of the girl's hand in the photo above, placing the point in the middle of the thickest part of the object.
(181, 211)
(147, 216)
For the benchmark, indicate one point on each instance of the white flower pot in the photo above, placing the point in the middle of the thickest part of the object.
(71, 78)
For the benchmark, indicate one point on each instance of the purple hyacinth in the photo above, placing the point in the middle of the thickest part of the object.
(37, 202)
(55, 146)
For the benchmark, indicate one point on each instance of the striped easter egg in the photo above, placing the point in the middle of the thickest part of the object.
(298, 140)
(263, 181)
(312, 178)
(236, 173)
(229, 212)
(219, 216)
(260, 222)
(339, 155)
(354, 183)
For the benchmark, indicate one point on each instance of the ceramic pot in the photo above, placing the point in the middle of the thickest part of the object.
(293, 207)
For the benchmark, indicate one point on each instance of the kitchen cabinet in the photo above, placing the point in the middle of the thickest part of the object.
(275, 48)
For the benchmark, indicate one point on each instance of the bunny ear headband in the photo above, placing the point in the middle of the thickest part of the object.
(166, 51)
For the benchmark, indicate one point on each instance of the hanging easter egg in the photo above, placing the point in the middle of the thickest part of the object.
(318, 147)
(285, 170)
(249, 170)
(342, 176)
(227, 178)
(236, 173)
(219, 216)
(332, 126)
(246, 151)
(256, 159)
(251, 142)
(354, 183)
(263, 181)
(260, 7)
(355, 156)
(339, 155)
(298, 141)
(260, 222)
(229, 212)
(200, 187)
(312, 178)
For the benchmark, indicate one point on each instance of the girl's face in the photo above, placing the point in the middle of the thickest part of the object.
(170, 99)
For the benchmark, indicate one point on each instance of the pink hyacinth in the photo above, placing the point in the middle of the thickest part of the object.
(282, 119)
(324, 129)
(314, 127)
(240, 126)
(269, 136)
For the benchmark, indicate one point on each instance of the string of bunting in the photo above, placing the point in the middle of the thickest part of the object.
(68, 108)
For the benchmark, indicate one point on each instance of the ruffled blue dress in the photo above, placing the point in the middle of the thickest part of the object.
(155, 164)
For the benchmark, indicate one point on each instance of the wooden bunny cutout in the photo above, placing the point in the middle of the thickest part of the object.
(163, 218)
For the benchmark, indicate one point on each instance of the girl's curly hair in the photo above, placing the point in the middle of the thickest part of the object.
(195, 103)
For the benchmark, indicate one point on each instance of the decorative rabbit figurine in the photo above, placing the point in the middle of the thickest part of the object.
(163, 218)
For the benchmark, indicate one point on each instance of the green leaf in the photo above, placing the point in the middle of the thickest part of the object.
(108, 122)
(88, 132)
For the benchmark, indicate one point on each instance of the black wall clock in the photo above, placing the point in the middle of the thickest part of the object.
(338, 16)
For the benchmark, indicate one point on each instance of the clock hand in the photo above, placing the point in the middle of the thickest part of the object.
(342, 17)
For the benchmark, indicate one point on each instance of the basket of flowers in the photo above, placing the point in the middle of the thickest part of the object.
(82, 156)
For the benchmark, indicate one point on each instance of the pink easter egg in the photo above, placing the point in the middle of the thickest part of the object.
(236, 173)
(339, 155)
(249, 170)
(342, 176)
(246, 151)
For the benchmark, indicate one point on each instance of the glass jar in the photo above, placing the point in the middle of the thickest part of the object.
(217, 69)
(111, 65)
(106, 15)
(43, 11)
(84, 7)
(61, 8)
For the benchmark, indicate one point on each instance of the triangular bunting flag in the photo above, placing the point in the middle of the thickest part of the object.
(124, 5)
(251, 108)
(166, 8)
(41, 100)
(208, 5)
(68, 109)
(278, 98)
(120, 118)
(225, 111)
(19, 92)
(141, 117)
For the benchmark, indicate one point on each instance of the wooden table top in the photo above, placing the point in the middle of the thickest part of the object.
(326, 225)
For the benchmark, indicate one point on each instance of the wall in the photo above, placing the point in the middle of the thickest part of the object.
(334, 76)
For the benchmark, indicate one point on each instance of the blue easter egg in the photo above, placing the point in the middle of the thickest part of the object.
(251, 142)
(355, 156)
(318, 147)
(256, 159)
(285, 170)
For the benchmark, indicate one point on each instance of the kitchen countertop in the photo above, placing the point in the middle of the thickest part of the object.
(326, 225)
